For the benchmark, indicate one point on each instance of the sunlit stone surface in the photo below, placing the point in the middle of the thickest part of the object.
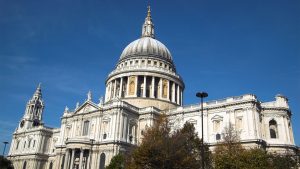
(143, 85)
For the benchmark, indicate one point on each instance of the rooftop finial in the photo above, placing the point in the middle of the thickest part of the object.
(149, 11)
(89, 96)
(148, 26)
(66, 109)
(38, 91)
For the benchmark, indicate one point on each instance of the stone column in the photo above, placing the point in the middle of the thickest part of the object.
(66, 159)
(121, 88)
(136, 85)
(145, 85)
(160, 88)
(106, 93)
(81, 158)
(181, 97)
(115, 88)
(127, 87)
(168, 92)
(88, 164)
(173, 92)
(72, 159)
(178, 94)
(152, 87)
(125, 128)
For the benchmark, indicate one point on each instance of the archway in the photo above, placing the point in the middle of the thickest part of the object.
(102, 161)
(25, 164)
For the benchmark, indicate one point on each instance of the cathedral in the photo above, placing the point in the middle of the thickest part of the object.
(143, 85)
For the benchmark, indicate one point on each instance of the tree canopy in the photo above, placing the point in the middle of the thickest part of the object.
(230, 154)
(5, 163)
(166, 149)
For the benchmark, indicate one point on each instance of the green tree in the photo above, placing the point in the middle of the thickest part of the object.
(117, 162)
(283, 161)
(166, 149)
(230, 154)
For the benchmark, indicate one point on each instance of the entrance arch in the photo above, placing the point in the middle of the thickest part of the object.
(102, 161)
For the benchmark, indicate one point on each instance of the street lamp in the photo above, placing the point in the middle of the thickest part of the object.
(5, 142)
(202, 95)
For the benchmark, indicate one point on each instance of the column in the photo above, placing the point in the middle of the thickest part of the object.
(145, 85)
(88, 164)
(115, 88)
(160, 88)
(106, 93)
(121, 87)
(152, 87)
(127, 88)
(81, 158)
(41, 149)
(66, 159)
(173, 92)
(181, 97)
(119, 126)
(136, 85)
(125, 127)
(178, 94)
(168, 92)
(72, 159)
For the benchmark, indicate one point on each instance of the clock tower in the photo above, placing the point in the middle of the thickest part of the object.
(33, 113)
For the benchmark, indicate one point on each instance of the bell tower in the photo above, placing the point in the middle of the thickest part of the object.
(33, 112)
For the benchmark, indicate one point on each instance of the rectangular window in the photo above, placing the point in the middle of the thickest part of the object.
(239, 123)
(85, 128)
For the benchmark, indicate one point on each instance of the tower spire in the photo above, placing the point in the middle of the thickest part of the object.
(148, 26)
(38, 92)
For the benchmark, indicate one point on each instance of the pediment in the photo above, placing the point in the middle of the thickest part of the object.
(217, 117)
(192, 121)
(86, 107)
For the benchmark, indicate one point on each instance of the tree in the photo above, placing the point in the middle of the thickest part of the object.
(5, 163)
(283, 161)
(117, 162)
(230, 154)
(166, 149)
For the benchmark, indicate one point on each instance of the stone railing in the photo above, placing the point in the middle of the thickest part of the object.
(145, 68)
(214, 103)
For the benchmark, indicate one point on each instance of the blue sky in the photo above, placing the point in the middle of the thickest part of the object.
(226, 48)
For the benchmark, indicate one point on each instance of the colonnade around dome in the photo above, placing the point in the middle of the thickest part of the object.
(143, 86)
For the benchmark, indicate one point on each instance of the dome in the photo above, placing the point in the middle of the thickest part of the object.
(146, 46)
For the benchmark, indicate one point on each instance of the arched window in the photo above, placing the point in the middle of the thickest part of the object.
(218, 136)
(273, 129)
(25, 144)
(18, 142)
(102, 161)
(24, 165)
(86, 125)
(51, 165)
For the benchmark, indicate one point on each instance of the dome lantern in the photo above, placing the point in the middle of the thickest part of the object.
(148, 26)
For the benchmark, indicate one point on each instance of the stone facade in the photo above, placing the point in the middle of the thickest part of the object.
(143, 85)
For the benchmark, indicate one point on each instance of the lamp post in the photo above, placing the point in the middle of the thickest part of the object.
(5, 143)
(202, 95)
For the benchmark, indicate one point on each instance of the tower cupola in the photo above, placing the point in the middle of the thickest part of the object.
(34, 110)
